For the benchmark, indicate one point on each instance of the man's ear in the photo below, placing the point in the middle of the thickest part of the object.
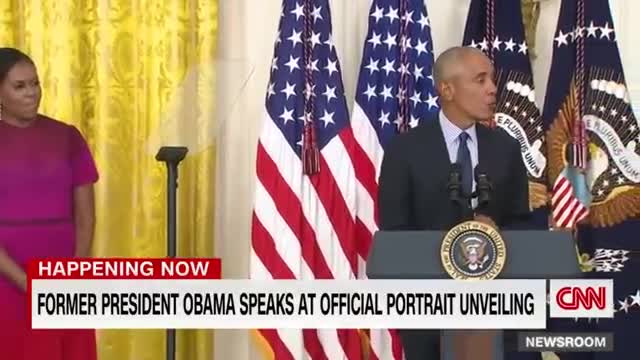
(445, 89)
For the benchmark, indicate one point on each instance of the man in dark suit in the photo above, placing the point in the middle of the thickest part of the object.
(417, 165)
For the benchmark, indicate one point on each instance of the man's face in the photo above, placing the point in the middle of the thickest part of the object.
(473, 88)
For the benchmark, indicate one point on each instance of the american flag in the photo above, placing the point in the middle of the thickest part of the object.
(305, 197)
(588, 94)
(395, 91)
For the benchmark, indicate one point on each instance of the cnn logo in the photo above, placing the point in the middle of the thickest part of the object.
(584, 298)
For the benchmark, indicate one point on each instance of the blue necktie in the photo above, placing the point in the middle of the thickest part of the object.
(464, 160)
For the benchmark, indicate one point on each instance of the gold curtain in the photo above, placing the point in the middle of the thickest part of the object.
(133, 75)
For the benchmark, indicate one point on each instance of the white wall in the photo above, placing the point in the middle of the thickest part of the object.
(247, 32)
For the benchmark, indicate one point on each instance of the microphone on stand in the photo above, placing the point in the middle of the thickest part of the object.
(454, 185)
(484, 188)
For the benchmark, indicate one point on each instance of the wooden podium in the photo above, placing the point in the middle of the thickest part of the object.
(530, 254)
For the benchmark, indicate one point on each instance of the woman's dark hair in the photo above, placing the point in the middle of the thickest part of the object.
(8, 58)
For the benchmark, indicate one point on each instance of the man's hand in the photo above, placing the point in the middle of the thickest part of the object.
(486, 220)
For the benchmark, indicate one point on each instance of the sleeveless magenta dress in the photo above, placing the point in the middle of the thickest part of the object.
(39, 167)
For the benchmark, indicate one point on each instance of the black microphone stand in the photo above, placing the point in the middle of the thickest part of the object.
(171, 155)
(483, 189)
(464, 206)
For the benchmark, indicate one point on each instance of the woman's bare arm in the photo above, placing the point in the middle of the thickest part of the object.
(11, 270)
(84, 219)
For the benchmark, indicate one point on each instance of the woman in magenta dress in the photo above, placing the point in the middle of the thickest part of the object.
(46, 208)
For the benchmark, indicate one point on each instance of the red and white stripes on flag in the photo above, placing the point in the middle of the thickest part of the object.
(303, 224)
(383, 344)
(301, 229)
(567, 208)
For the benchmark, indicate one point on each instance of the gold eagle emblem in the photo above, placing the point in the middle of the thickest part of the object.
(612, 148)
(473, 250)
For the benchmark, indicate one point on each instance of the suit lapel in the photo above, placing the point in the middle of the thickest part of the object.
(485, 150)
(437, 145)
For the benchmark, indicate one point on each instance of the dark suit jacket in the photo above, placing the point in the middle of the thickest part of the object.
(415, 169)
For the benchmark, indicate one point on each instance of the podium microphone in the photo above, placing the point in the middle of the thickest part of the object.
(483, 186)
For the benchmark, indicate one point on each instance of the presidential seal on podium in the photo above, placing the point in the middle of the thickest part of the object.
(473, 251)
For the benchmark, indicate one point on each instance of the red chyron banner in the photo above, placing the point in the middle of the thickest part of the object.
(124, 268)
(41, 270)
(583, 298)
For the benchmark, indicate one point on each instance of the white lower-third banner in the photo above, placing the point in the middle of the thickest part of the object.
(249, 304)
